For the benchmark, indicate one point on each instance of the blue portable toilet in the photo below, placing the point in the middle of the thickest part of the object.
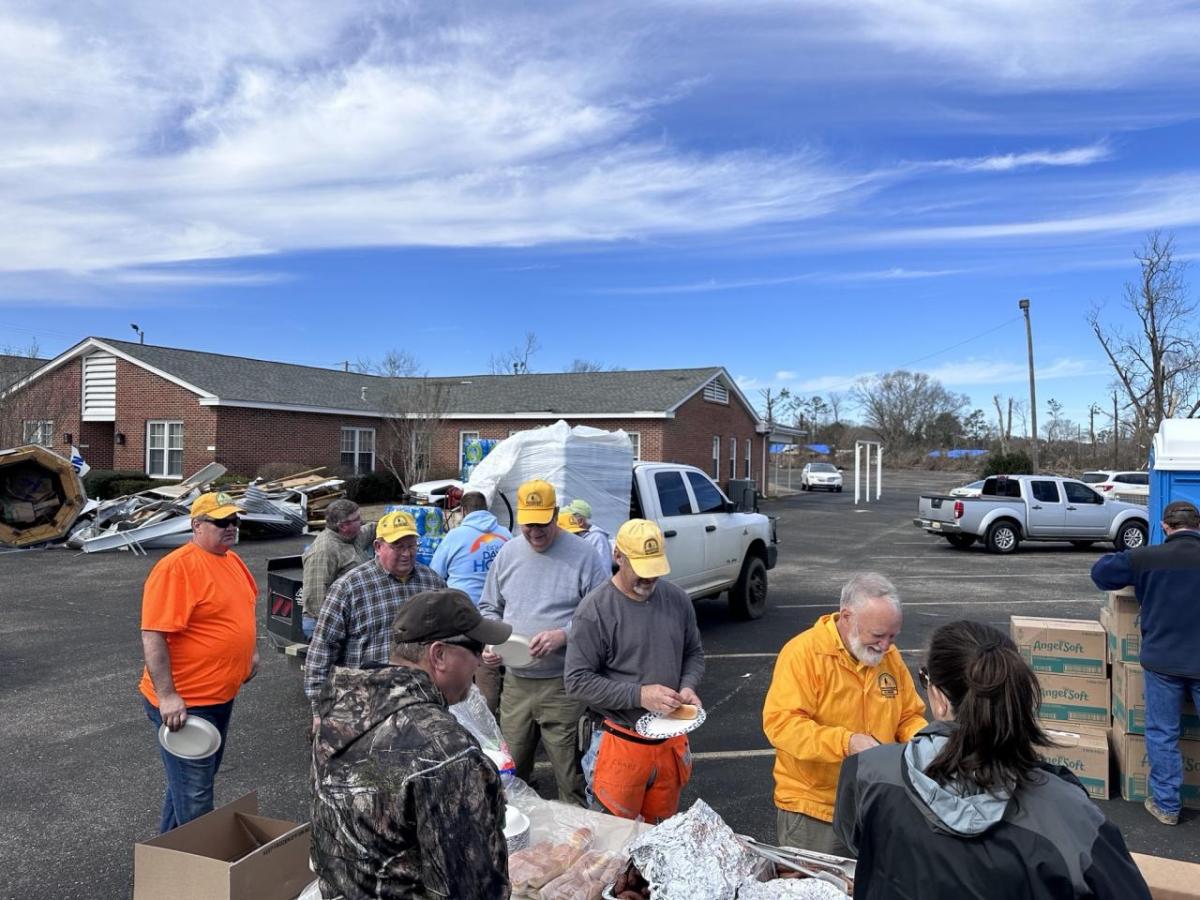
(1174, 469)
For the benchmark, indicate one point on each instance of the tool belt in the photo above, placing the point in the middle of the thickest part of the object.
(625, 734)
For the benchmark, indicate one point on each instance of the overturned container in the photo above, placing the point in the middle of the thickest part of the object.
(41, 495)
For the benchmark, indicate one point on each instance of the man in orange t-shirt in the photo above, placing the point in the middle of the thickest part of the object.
(198, 637)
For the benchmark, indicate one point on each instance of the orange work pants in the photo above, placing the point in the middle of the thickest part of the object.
(636, 777)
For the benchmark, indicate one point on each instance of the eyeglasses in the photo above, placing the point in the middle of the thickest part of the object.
(227, 522)
(923, 676)
(466, 643)
(538, 527)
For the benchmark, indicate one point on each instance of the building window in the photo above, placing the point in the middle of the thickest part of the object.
(39, 431)
(733, 457)
(464, 438)
(358, 450)
(419, 445)
(716, 469)
(715, 392)
(164, 449)
(635, 438)
(749, 453)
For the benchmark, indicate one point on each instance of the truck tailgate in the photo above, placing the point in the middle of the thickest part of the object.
(936, 507)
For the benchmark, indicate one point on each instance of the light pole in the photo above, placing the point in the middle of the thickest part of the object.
(141, 334)
(1023, 303)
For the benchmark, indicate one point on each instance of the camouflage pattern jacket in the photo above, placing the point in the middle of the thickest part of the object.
(405, 804)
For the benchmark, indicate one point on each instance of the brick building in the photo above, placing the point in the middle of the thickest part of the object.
(168, 412)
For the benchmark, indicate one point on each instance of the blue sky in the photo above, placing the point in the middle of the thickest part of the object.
(804, 192)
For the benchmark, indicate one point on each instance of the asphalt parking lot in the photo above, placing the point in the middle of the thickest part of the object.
(82, 780)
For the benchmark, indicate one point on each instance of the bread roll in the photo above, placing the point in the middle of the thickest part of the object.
(683, 711)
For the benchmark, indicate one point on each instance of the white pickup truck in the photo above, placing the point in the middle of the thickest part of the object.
(1016, 508)
(712, 547)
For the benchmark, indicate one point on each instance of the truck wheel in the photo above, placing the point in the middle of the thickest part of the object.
(748, 598)
(838, 489)
(1132, 534)
(960, 541)
(1002, 537)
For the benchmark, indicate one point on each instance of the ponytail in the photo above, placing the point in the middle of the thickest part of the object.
(995, 697)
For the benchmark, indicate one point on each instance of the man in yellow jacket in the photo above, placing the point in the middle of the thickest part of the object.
(838, 689)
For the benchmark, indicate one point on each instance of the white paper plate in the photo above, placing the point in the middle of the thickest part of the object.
(514, 651)
(656, 725)
(197, 739)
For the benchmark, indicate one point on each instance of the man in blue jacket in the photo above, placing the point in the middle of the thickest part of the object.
(1166, 579)
(463, 559)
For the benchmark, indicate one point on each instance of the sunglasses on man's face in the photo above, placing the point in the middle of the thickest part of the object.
(467, 644)
(227, 522)
(923, 675)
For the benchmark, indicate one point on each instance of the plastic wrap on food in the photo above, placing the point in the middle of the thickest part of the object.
(586, 878)
(532, 869)
(789, 888)
(695, 856)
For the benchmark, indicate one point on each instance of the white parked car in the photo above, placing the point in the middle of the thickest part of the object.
(1111, 481)
(974, 489)
(820, 475)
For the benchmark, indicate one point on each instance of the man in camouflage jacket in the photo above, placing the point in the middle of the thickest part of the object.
(405, 803)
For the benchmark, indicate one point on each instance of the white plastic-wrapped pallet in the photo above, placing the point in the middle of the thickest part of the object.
(581, 462)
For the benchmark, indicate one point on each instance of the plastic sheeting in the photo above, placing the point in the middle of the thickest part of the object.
(585, 462)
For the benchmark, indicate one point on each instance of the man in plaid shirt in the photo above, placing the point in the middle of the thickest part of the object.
(356, 618)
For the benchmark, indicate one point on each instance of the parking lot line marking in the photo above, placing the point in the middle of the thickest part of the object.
(734, 754)
(833, 606)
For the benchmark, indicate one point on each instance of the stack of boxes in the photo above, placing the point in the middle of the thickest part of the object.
(1120, 619)
(1070, 657)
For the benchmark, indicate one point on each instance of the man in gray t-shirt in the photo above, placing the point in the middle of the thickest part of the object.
(535, 584)
(635, 647)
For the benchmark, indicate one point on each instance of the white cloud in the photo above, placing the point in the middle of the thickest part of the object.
(1008, 162)
(785, 375)
(982, 371)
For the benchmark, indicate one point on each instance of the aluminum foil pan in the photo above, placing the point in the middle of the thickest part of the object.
(789, 888)
(695, 856)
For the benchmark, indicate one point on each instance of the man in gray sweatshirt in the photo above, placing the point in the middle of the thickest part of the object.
(535, 584)
(635, 647)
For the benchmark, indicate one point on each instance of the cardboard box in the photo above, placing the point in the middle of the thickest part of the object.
(1129, 702)
(1134, 767)
(1074, 699)
(1061, 646)
(1122, 622)
(1085, 754)
(1169, 879)
(232, 853)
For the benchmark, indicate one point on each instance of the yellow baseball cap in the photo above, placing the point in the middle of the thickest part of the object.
(396, 525)
(214, 505)
(536, 502)
(566, 521)
(641, 542)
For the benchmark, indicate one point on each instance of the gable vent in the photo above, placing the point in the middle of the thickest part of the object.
(716, 392)
(99, 387)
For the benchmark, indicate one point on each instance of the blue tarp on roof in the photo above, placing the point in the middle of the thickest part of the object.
(818, 448)
(957, 454)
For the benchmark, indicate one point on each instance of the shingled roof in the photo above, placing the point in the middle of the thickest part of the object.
(234, 380)
(13, 368)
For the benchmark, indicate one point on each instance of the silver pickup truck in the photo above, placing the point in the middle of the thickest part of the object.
(1016, 508)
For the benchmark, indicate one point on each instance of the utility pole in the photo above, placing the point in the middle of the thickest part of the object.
(1023, 303)
(1116, 434)
(1092, 410)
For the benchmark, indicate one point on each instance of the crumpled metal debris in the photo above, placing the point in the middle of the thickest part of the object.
(789, 888)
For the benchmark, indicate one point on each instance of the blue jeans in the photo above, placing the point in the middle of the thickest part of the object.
(309, 624)
(1164, 707)
(189, 781)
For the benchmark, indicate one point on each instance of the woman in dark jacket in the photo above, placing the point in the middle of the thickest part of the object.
(967, 809)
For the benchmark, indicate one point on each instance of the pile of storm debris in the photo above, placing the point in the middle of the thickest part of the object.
(42, 502)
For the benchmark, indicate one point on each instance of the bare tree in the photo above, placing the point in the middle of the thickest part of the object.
(516, 360)
(902, 407)
(773, 403)
(1004, 429)
(26, 413)
(582, 366)
(412, 406)
(1156, 366)
(834, 401)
